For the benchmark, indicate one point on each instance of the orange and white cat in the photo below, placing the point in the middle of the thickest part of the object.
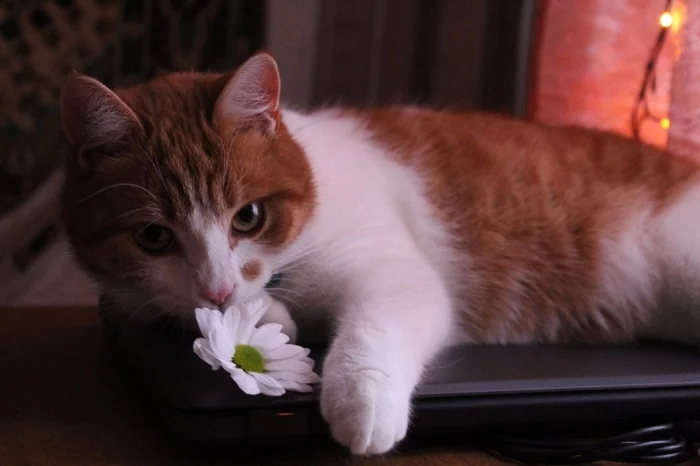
(409, 229)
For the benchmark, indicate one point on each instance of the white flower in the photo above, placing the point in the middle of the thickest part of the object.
(258, 359)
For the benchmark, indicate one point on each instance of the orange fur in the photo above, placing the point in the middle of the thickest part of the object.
(251, 270)
(531, 203)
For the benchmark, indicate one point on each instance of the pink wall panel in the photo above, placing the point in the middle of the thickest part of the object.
(684, 136)
(590, 63)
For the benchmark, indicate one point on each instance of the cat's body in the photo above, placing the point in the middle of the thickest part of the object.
(408, 229)
(538, 234)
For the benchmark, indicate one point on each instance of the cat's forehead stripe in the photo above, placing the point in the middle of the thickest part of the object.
(192, 175)
(200, 216)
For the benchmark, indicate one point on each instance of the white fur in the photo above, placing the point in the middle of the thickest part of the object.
(629, 274)
(678, 254)
(378, 260)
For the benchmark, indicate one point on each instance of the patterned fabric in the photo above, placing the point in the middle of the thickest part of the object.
(117, 41)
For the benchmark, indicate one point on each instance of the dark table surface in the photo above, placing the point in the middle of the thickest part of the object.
(64, 400)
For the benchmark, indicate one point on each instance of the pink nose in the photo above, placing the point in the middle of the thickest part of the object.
(217, 295)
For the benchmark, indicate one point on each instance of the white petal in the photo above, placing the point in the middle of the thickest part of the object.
(203, 350)
(245, 329)
(308, 377)
(311, 363)
(284, 352)
(279, 339)
(290, 385)
(231, 321)
(221, 343)
(288, 365)
(261, 336)
(244, 332)
(206, 319)
(296, 387)
(256, 310)
(202, 316)
(246, 382)
(230, 367)
(268, 385)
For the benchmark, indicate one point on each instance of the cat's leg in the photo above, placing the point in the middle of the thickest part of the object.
(397, 319)
(278, 313)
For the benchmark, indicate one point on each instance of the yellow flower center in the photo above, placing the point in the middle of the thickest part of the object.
(248, 358)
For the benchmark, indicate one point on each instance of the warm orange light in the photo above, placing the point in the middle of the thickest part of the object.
(665, 123)
(666, 20)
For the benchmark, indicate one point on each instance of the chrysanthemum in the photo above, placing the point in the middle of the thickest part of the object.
(259, 359)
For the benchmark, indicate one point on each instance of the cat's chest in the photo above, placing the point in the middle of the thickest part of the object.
(311, 294)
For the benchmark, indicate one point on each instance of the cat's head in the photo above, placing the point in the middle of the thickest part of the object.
(183, 191)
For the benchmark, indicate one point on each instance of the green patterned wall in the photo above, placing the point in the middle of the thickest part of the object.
(118, 41)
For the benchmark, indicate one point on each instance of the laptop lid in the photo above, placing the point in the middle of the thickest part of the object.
(464, 386)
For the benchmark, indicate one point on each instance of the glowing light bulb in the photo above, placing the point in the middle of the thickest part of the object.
(666, 20)
(665, 123)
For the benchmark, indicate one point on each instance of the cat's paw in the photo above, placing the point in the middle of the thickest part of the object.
(277, 313)
(366, 408)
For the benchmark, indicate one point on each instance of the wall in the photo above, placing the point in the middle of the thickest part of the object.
(684, 138)
(590, 63)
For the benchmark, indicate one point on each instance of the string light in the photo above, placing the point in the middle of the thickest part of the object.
(666, 20)
(641, 111)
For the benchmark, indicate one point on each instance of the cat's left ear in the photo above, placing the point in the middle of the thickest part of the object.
(95, 119)
(252, 94)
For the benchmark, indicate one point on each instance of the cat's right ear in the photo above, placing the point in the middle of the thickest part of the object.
(94, 118)
(252, 94)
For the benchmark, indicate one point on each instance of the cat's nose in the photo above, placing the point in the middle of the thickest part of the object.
(218, 295)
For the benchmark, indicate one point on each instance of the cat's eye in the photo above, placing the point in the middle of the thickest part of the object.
(155, 239)
(249, 218)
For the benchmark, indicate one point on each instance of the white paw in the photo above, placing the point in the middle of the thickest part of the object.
(277, 313)
(367, 409)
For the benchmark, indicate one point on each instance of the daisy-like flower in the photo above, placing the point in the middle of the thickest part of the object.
(259, 359)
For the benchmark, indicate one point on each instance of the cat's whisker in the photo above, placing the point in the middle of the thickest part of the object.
(148, 225)
(116, 185)
(290, 280)
(303, 265)
(308, 251)
(292, 267)
(155, 166)
(308, 277)
(133, 211)
(285, 290)
(275, 293)
(299, 274)
(227, 155)
(136, 316)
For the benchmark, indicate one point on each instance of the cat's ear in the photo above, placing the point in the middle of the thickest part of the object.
(93, 116)
(251, 94)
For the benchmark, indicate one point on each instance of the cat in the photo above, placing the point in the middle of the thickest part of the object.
(409, 229)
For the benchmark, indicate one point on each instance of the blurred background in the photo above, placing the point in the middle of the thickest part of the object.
(557, 61)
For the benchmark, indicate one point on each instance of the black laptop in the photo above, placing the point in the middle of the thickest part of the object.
(467, 388)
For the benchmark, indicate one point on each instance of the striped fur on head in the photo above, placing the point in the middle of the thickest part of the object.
(186, 152)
